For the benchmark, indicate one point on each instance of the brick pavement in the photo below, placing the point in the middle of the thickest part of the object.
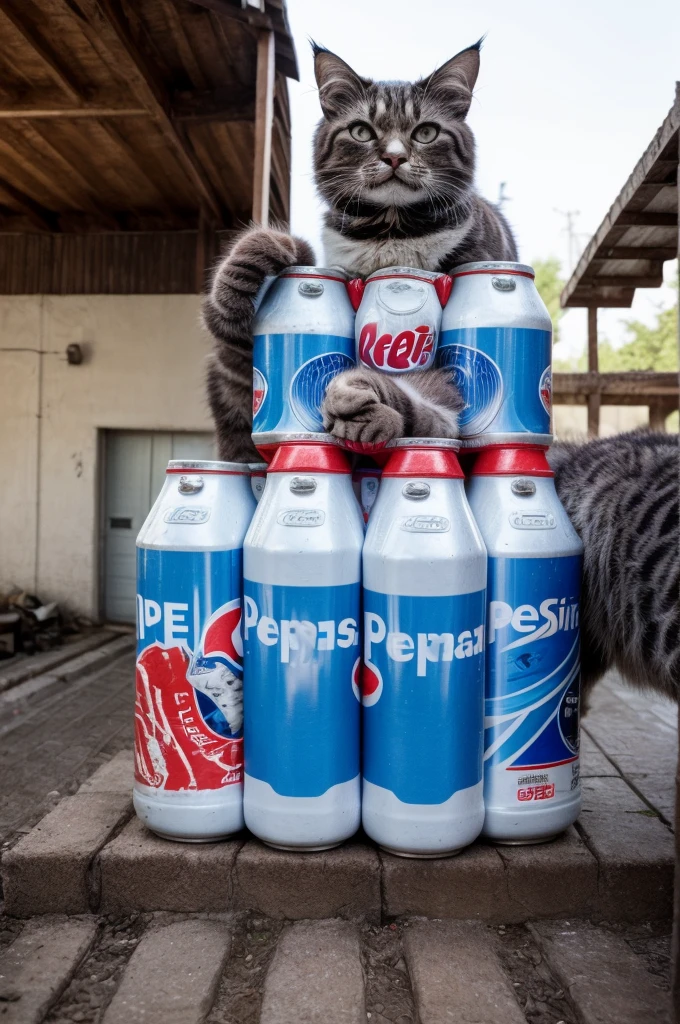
(234, 902)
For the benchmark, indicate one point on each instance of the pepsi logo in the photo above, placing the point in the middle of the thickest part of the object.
(259, 390)
(408, 350)
(545, 389)
(371, 684)
(356, 679)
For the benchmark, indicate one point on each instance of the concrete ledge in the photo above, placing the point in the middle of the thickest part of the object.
(470, 885)
(47, 662)
(140, 871)
(338, 883)
(47, 872)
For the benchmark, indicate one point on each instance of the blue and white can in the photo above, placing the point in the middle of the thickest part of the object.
(189, 674)
(531, 778)
(302, 564)
(497, 338)
(303, 336)
(423, 668)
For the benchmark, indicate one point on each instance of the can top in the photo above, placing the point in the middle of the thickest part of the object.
(428, 463)
(414, 273)
(309, 457)
(195, 466)
(323, 273)
(523, 460)
(491, 267)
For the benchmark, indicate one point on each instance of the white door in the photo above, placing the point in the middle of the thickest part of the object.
(135, 463)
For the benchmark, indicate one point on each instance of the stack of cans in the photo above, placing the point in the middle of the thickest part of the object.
(324, 641)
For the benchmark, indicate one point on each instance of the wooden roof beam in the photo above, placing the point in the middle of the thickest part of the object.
(632, 252)
(60, 73)
(647, 219)
(39, 216)
(146, 84)
(33, 112)
(624, 281)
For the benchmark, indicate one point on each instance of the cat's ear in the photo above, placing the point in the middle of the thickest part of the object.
(339, 86)
(454, 81)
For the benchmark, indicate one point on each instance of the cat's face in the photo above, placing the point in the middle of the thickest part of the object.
(394, 143)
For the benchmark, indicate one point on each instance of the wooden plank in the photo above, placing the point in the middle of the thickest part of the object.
(594, 397)
(628, 280)
(40, 218)
(635, 384)
(635, 252)
(647, 218)
(59, 71)
(247, 17)
(232, 104)
(108, 16)
(264, 116)
(28, 112)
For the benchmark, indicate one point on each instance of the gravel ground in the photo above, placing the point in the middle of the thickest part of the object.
(538, 992)
(240, 993)
(389, 999)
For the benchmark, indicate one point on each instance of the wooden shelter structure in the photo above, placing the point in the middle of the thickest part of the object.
(626, 252)
(132, 135)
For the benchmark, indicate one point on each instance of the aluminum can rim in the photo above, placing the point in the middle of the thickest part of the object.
(494, 267)
(414, 273)
(424, 442)
(203, 466)
(327, 273)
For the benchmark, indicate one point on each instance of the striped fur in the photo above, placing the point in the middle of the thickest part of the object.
(393, 199)
(621, 494)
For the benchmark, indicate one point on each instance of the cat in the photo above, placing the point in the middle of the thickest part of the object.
(394, 162)
(621, 494)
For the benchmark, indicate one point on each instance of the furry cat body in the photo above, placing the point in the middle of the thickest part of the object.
(621, 494)
(392, 200)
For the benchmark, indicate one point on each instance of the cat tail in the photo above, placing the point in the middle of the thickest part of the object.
(228, 312)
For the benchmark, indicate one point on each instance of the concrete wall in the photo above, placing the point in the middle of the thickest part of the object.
(143, 370)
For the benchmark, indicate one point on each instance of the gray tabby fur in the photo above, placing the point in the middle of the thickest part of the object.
(621, 494)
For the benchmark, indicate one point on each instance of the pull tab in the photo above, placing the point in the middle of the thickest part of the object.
(190, 484)
(303, 485)
(416, 490)
(355, 289)
(443, 285)
(523, 487)
(504, 284)
(311, 288)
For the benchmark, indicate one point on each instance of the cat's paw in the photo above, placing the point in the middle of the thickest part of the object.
(260, 253)
(353, 411)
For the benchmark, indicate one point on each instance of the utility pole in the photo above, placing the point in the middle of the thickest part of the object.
(572, 237)
(503, 197)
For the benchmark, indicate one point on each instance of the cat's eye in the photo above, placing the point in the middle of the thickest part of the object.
(425, 132)
(362, 132)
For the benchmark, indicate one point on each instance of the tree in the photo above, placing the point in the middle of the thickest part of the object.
(550, 284)
(647, 348)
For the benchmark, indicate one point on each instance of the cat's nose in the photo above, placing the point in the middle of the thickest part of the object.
(393, 160)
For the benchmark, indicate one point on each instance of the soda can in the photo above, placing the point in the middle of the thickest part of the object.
(424, 598)
(366, 484)
(258, 478)
(398, 318)
(496, 337)
(303, 336)
(302, 564)
(189, 674)
(531, 778)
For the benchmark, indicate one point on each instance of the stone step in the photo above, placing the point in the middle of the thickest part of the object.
(243, 969)
(91, 854)
(22, 667)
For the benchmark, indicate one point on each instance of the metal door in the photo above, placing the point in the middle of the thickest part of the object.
(135, 463)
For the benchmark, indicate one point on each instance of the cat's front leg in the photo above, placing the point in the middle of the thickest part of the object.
(374, 408)
(228, 314)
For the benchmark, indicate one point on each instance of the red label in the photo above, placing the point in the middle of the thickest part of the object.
(546, 792)
(258, 399)
(174, 748)
(406, 351)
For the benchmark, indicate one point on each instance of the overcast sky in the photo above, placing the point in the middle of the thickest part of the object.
(568, 98)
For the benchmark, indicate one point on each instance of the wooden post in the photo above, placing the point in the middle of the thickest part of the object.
(657, 415)
(202, 250)
(264, 117)
(594, 397)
